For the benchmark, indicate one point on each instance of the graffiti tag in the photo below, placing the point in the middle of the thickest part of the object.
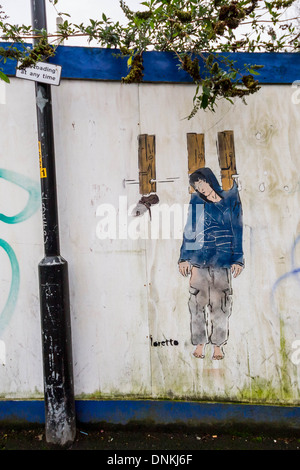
(30, 208)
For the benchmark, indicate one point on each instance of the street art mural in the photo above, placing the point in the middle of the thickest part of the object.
(31, 206)
(132, 337)
(212, 248)
(211, 253)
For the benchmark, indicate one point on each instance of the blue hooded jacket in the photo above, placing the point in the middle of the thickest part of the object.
(213, 235)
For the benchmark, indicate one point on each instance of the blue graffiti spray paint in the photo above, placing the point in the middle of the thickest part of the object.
(293, 273)
(293, 253)
(8, 309)
(33, 203)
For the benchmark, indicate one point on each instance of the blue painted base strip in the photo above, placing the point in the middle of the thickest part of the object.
(126, 412)
(16, 411)
(95, 63)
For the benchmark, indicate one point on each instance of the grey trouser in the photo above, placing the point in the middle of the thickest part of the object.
(210, 289)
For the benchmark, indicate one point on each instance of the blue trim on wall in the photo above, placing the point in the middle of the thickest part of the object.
(93, 63)
(15, 411)
(125, 412)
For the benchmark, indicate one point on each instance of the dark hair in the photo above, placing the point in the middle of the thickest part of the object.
(206, 175)
(194, 177)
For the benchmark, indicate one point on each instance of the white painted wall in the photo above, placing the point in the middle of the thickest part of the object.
(124, 290)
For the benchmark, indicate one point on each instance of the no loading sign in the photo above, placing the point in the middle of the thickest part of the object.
(40, 72)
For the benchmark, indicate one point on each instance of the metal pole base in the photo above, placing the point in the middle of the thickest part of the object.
(57, 351)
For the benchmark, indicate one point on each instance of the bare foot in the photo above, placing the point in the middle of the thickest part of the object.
(218, 353)
(199, 351)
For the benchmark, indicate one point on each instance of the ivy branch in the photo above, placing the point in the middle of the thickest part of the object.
(200, 33)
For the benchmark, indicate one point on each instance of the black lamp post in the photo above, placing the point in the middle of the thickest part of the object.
(53, 277)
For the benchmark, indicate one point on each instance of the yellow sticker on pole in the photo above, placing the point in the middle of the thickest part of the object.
(43, 170)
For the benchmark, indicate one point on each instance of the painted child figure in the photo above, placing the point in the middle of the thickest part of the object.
(211, 253)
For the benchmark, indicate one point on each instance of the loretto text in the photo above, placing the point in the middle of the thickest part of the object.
(165, 342)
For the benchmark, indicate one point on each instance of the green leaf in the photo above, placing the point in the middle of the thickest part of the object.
(204, 101)
(254, 72)
(4, 77)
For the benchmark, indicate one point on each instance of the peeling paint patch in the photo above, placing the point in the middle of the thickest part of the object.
(59, 430)
(41, 101)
